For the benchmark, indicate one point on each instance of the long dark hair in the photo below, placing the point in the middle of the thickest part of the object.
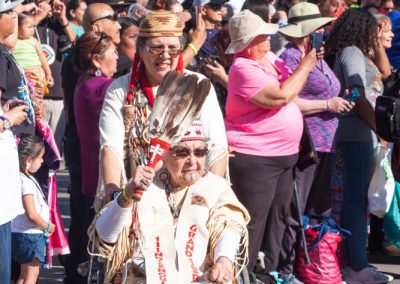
(72, 5)
(29, 146)
(126, 22)
(258, 7)
(355, 27)
(221, 42)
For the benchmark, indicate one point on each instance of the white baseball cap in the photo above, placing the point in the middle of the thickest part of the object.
(6, 5)
(205, 2)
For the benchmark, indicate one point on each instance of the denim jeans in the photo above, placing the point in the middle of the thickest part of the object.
(5, 252)
(357, 173)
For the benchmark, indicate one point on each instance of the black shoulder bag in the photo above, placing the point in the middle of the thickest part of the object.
(387, 109)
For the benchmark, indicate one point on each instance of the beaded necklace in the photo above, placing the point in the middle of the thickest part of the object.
(139, 101)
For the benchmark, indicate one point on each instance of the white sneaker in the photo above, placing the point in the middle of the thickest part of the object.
(367, 275)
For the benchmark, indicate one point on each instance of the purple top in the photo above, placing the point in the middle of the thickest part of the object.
(89, 97)
(322, 84)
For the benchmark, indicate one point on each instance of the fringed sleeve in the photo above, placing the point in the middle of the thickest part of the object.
(228, 214)
(116, 254)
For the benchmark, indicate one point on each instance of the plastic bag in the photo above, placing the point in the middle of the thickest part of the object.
(322, 243)
(391, 222)
(381, 187)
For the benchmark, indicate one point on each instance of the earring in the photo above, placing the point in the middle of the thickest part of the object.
(97, 73)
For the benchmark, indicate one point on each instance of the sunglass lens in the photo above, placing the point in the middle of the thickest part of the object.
(199, 153)
(182, 153)
(216, 7)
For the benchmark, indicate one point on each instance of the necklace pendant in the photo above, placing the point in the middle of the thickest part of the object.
(174, 211)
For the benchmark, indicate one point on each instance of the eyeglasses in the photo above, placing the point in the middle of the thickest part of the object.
(173, 51)
(103, 35)
(182, 152)
(215, 7)
(114, 17)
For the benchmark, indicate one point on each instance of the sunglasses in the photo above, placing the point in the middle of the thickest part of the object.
(103, 35)
(173, 51)
(215, 7)
(114, 17)
(185, 152)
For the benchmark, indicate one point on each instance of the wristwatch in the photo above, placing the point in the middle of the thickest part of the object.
(6, 123)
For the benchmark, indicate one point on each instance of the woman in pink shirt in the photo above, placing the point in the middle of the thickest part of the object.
(264, 128)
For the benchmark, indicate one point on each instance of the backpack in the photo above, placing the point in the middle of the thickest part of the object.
(387, 109)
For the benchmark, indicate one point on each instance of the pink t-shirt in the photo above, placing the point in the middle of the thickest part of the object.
(252, 129)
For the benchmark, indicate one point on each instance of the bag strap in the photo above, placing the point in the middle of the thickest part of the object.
(329, 221)
(325, 227)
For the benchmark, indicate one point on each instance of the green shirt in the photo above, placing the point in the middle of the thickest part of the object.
(25, 54)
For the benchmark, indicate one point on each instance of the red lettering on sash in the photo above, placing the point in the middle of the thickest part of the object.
(162, 272)
(190, 245)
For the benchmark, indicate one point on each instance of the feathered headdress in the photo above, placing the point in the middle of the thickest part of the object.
(178, 102)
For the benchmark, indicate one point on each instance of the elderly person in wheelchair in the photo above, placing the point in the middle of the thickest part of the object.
(188, 227)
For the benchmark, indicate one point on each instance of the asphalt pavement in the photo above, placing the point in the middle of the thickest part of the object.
(384, 263)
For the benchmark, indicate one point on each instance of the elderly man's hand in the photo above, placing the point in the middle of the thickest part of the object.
(221, 271)
(143, 177)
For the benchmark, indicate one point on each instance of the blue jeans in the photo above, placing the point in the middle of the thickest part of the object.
(5, 252)
(357, 173)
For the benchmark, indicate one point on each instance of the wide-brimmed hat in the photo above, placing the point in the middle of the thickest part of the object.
(244, 27)
(6, 5)
(303, 19)
(161, 23)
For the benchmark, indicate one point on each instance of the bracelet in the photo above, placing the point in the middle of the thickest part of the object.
(66, 25)
(8, 119)
(125, 197)
(328, 107)
(46, 230)
(193, 48)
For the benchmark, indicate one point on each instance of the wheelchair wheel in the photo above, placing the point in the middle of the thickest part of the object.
(97, 272)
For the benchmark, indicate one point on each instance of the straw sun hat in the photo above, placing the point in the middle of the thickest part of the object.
(303, 19)
(244, 27)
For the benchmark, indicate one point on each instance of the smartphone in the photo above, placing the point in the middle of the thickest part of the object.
(209, 59)
(353, 95)
(316, 40)
(196, 15)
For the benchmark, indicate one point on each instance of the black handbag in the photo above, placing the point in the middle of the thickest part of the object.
(387, 109)
(307, 154)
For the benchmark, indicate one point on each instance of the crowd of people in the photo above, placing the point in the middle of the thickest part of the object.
(81, 78)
